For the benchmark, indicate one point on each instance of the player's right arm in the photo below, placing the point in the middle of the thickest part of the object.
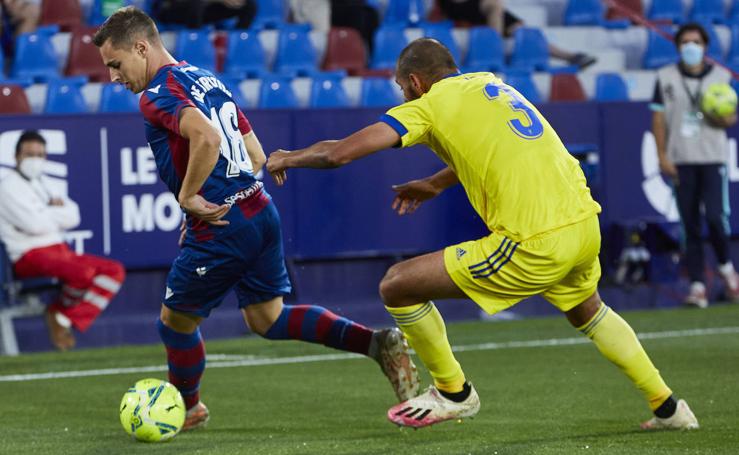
(205, 143)
(410, 195)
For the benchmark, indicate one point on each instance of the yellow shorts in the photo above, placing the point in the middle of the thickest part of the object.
(497, 273)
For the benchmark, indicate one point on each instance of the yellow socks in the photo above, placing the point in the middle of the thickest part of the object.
(425, 331)
(617, 342)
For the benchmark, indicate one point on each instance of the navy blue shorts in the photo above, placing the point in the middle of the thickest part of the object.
(250, 261)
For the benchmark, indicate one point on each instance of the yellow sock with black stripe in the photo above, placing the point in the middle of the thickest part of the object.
(616, 340)
(425, 331)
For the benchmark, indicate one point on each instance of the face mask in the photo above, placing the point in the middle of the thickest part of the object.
(691, 53)
(32, 167)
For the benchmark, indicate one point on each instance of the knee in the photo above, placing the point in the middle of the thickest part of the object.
(116, 271)
(585, 311)
(261, 317)
(391, 287)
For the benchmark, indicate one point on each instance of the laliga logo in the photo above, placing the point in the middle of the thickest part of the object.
(657, 191)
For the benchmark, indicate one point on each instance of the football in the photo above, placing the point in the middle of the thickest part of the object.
(152, 410)
(719, 100)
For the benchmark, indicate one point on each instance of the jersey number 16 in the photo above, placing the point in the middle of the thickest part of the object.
(226, 121)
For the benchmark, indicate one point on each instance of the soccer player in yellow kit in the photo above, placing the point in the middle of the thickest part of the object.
(544, 232)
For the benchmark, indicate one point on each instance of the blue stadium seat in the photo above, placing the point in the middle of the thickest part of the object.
(714, 47)
(733, 57)
(524, 83)
(442, 32)
(115, 98)
(270, 14)
(232, 83)
(485, 50)
(610, 87)
(584, 12)
(244, 54)
(666, 10)
(195, 47)
(277, 93)
(660, 50)
(405, 12)
(326, 90)
(35, 56)
(708, 11)
(530, 50)
(295, 51)
(64, 96)
(389, 42)
(378, 92)
(734, 12)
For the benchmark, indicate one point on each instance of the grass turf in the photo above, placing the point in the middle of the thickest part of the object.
(536, 400)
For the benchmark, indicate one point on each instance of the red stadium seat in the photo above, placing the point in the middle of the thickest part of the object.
(566, 87)
(13, 100)
(345, 51)
(67, 14)
(84, 57)
(634, 6)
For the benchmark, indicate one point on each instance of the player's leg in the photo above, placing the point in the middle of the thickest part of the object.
(198, 281)
(95, 288)
(260, 292)
(577, 296)
(422, 279)
(185, 349)
(407, 290)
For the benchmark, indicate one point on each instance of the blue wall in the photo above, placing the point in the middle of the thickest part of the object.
(327, 215)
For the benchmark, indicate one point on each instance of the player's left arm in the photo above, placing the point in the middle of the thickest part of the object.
(205, 143)
(333, 154)
(255, 151)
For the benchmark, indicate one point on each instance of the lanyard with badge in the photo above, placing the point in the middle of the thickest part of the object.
(693, 118)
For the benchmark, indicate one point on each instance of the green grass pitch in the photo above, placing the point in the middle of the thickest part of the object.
(559, 399)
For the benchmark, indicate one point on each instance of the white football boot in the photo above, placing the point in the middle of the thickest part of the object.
(682, 419)
(432, 407)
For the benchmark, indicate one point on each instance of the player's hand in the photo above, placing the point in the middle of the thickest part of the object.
(211, 213)
(57, 202)
(668, 168)
(276, 166)
(410, 195)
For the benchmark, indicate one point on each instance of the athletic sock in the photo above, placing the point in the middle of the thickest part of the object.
(424, 329)
(186, 361)
(666, 409)
(458, 397)
(616, 340)
(316, 324)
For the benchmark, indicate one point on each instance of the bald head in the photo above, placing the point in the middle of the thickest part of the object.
(426, 58)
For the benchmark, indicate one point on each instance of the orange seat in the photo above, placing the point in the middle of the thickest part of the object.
(13, 100)
(566, 87)
(345, 51)
(84, 57)
(67, 14)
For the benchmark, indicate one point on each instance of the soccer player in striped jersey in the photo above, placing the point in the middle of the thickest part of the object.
(544, 234)
(208, 155)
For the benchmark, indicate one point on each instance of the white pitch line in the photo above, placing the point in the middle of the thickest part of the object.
(250, 362)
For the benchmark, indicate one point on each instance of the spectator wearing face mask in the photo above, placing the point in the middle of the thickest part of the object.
(692, 146)
(32, 223)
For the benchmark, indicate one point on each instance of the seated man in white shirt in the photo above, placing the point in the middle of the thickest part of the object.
(32, 221)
